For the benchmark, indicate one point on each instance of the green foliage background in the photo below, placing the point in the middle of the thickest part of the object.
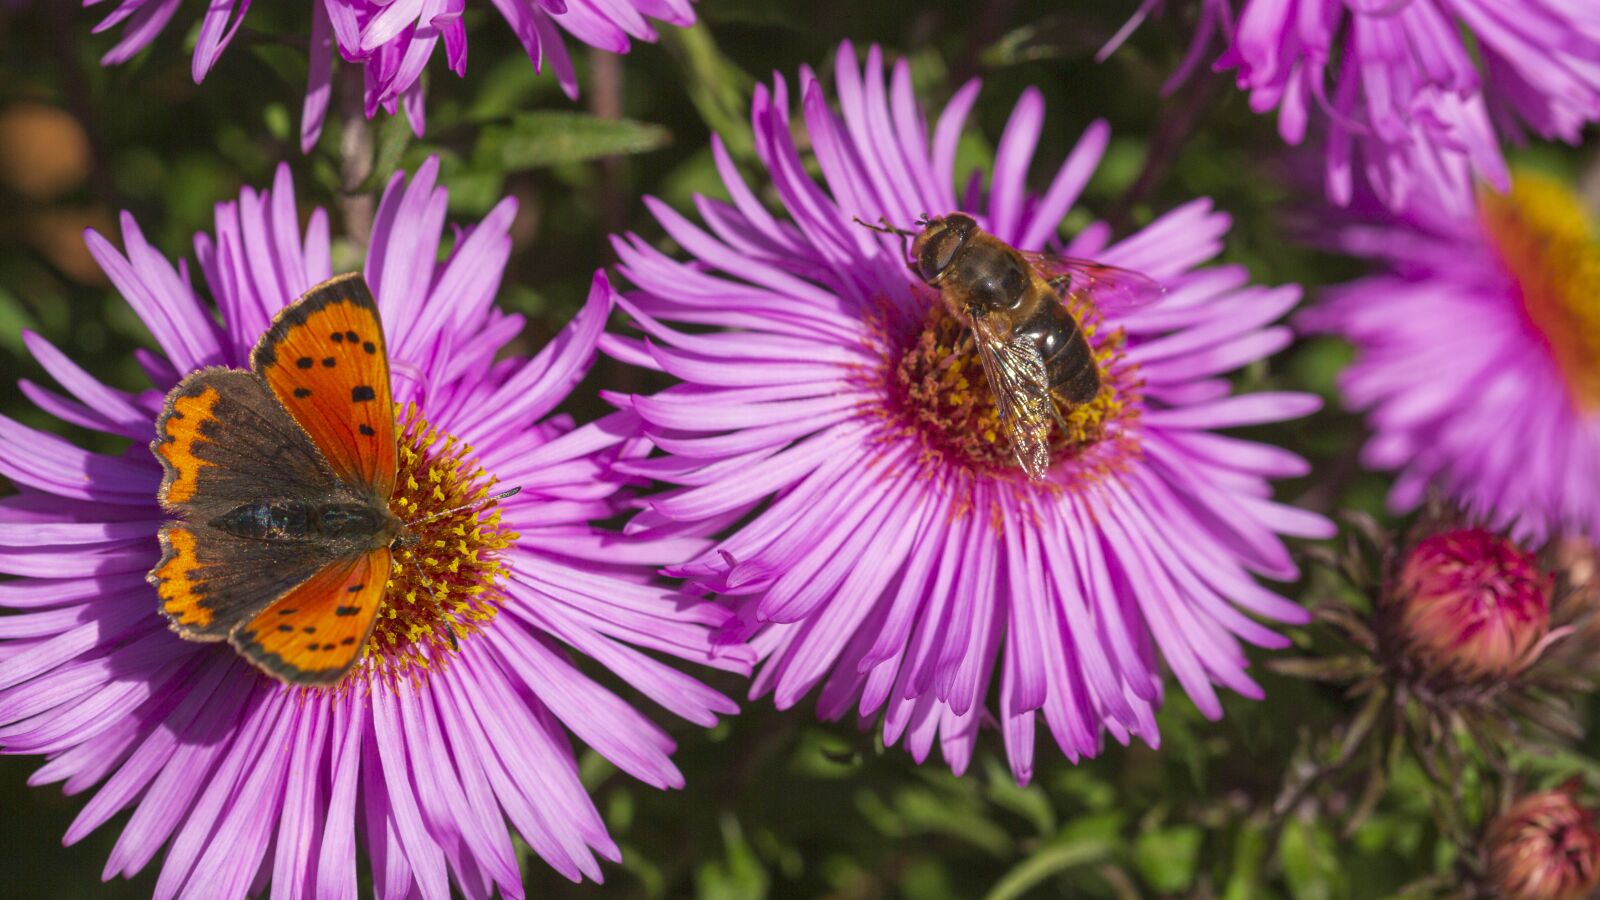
(777, 804)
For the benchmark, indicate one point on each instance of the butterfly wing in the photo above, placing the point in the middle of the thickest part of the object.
(211, 581)
(1108, 288)
(224, 441)
(314, 633)
(325, 360)
(1017, 378)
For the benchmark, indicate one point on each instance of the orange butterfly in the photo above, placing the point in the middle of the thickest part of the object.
(280, 478)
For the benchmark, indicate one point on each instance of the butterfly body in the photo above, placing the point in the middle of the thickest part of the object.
(336, 523)
(279, 480)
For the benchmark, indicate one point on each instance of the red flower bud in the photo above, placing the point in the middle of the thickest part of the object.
(1472, 605)
(1545, 847)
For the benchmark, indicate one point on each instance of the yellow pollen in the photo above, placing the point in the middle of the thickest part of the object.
(447, 584)
(938, 392)
(1547, 243)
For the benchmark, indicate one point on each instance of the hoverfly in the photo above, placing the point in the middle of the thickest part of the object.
(1032, 348)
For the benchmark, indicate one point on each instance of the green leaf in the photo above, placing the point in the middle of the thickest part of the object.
(509, 85)
(548, 138)
(1028, 802)
(1310, 861)
(1051, 859)
(13, 319)
(1166, 857)
(739, 875)
(394, 136)
(717, 87)
(1244, 881)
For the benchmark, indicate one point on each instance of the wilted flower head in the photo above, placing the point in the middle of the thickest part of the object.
(889, 549)
(456, 723)
(1544, 847)
(1470, 605)
(1478, 358)
(1418, 94)
(393, 41)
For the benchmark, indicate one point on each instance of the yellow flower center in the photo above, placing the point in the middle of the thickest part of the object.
(447, 584)
(938, 393)
(1548, 245)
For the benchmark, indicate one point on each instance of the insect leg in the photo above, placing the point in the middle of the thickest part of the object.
(885, 227)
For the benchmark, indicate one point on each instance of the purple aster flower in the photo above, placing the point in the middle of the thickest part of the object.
(1476, 357)
(888, 548)
(393, 40)
(1401, 91)
(397, 38)
(458, 719)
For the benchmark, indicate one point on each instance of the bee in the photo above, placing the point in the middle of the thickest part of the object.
(1033, 349)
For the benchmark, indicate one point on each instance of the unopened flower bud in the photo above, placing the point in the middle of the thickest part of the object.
(1545, 847)
(1472, 605)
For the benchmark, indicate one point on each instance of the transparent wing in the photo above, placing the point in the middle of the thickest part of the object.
(1017, 378)
(1109, 288)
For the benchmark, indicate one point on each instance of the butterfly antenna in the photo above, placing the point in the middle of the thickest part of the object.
(503, 495)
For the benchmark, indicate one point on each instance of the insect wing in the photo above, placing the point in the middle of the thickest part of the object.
(1108, 288)
(1021, 389)
(314, 633)
(223, 441)
(210, 581)
(325, 360)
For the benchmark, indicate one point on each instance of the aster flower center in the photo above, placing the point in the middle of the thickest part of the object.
(1548, 245)
(446, 584)
(938, 391)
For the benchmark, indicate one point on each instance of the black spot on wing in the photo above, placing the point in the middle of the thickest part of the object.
(362, 393)
(302, 393)
(304, 362)
(347, 288)
(367, 430)
(346, 610)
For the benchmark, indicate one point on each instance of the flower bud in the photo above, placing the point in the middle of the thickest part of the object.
(1472, 605)
(1545, 847)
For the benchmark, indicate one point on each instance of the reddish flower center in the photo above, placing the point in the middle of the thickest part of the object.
(1473, 604)
(938, 393)
(1547, 243)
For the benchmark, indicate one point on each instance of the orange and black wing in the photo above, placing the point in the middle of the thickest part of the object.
(210, 582)
(324, 359)
(223, 441)
(317, 631)
(1016, 373)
